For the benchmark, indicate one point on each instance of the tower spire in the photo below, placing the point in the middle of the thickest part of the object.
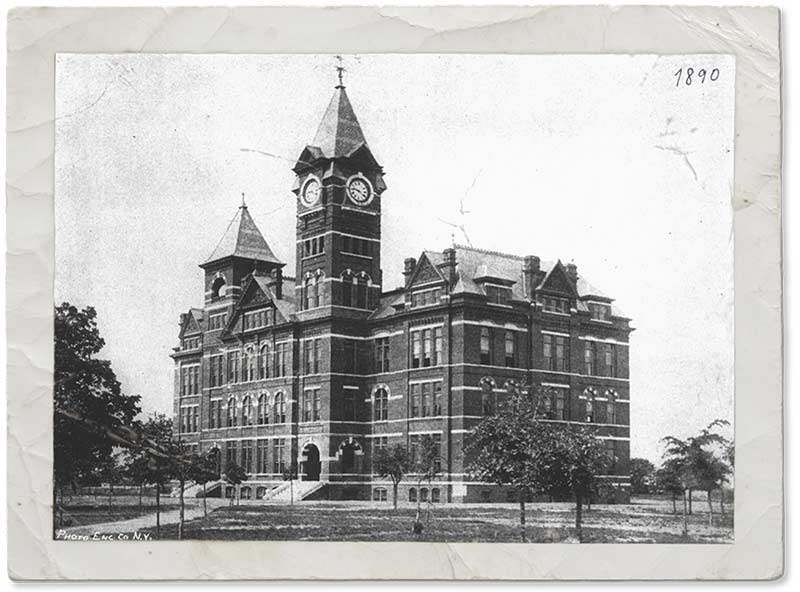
(340, 71)
(244, 203)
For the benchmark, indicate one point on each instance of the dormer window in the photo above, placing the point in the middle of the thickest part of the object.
(256, 319)
(190, 343)
(553, 304)
(600, 312)
(426, 297)
(498, 294)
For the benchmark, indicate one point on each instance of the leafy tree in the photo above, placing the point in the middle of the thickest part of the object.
(568, 459)
(668, 480)
(502, 446)
(505, 446)
(425, 461)
(642, 474)
(394, 463)
(235, 475)
(696, 463)
(136, 471)
(155, 445)
(203, 470)
(88, 401)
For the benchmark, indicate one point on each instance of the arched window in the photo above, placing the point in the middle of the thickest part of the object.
(217, 288)
(263, 362)
(263, 409)
(362, 290)
(247, 411)
(250, 360)
(231, 412)
(312, 291)
(611, 407)
(347, 288)
(436, 496)
(244, 493)
(380, 409)
(423, 494)
(261, 492)
(280, 408)
(412, 494)
(487, 396)
(589, 395)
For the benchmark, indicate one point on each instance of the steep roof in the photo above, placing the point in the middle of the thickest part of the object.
(474, 264)
(339, 133)
(243, 239)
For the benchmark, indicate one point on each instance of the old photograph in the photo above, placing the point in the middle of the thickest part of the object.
(440, 298)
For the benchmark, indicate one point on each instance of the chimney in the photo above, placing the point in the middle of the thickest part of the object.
(448, 266)
(572, 272)
(276, 282)
(410, 265)
(530, 273)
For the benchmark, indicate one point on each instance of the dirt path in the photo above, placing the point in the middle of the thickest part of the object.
(193, 510)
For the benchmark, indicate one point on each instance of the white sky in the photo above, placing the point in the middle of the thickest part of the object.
(572, 157)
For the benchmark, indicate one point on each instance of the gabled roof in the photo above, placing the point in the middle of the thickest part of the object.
(243, 239)
(339, 133)
(191, 322)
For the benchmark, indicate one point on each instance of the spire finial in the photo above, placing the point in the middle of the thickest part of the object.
(244, 204)
(340, 71)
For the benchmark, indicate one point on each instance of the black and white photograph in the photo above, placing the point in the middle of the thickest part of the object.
(459, 298)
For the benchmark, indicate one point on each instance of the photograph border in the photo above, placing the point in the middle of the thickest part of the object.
(36, 35)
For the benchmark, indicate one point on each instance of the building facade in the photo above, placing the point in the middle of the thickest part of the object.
(320, 370)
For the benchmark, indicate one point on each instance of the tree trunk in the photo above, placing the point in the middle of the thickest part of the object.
(685, 516)
(721, 500)
(690, 501)
(158, 509)
(181, 515)
(110, 496)
(710, 508)
(430, 501)
(395, 485)
(205, 506)
(522, 531)
(674, 504)
(141, 492)
(579, 517)
(419, 502)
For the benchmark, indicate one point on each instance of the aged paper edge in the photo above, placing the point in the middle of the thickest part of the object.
(35, 35)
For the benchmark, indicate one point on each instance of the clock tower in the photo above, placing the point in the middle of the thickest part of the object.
(339, 187)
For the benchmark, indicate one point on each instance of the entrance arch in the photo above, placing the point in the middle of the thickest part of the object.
(310, 465)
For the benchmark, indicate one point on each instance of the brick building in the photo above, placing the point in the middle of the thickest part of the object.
(325, 367)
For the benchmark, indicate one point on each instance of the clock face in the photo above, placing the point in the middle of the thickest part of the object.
(359, 190)
(311, 191)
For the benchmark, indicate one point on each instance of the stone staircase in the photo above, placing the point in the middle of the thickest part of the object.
(294, 491)
(195, 490)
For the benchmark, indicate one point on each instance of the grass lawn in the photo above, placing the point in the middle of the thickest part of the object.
(643, 521)
(90, 509)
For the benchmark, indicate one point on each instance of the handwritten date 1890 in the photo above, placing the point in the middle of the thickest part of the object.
(691, 76)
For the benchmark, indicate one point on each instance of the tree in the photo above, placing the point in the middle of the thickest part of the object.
(695, 462)
(203, 470)
(425, 462)
(155, 445)
(136, 471)
(88, 401)
(668, 480)
(504, 447)
(642, 474)
(235, 475)
(569, 459)
(394, 463)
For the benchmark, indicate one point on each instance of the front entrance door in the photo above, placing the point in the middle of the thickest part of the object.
(311, 463)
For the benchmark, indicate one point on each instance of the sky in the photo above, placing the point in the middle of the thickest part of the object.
(602, 160)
